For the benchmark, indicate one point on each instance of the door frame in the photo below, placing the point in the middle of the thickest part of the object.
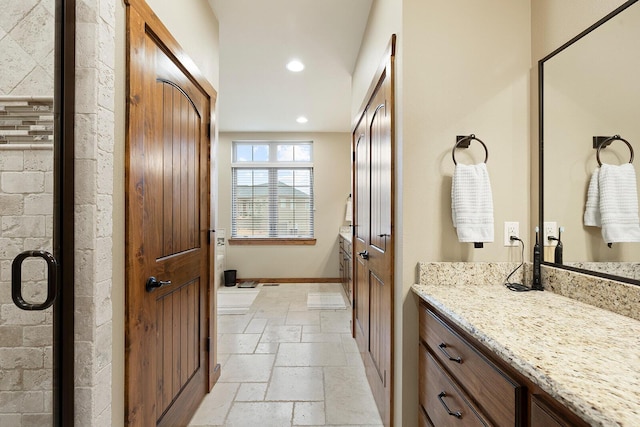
(63, 206)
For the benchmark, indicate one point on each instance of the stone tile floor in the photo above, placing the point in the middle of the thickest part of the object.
(285, 365)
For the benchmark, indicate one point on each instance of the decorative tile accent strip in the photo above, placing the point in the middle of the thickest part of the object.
(470, 273)
(26, 120)
(618, 297)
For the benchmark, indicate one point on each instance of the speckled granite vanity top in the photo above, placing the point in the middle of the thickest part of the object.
(586, 357)
(346, 236)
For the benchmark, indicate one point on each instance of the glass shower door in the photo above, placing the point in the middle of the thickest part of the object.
(30, 210)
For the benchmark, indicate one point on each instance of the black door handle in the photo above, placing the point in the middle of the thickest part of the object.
(16, 280)
(153, 283)
(364, 254)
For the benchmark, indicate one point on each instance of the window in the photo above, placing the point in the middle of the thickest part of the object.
(272, 190)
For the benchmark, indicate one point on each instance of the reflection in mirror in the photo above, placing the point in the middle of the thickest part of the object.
(590, 87)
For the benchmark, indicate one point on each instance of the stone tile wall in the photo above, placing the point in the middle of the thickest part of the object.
(26, 42)
(26, 186)
(95, 135)
(26, 223)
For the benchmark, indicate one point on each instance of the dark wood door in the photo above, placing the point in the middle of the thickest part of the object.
(373, 240)
(168, 250)
(361, 232)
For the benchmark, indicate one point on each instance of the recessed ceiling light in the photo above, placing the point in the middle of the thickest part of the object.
(295, 66)
(302, 119)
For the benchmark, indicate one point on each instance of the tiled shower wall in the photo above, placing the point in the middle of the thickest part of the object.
(26, 43)
(26, 185)
(27, 51)
(25, 346)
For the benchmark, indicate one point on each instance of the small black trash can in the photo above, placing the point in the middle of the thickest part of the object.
(230, 277)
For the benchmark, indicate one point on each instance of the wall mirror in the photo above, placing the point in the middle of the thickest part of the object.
(589, 87)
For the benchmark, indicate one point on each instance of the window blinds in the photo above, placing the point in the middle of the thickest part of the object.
(272, 202)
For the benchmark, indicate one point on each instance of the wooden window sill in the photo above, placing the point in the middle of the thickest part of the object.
(257, 242)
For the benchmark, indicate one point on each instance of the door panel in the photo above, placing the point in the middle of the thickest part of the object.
(362, 302)
(168, 251)
(380, 173)
(362, 194)
(378, 345)
(177, 342)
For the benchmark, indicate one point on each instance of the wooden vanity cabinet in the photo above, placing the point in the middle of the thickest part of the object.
(462, 383)
(547, 412)
(346, 267)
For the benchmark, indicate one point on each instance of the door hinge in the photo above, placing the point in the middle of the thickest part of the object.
(209, 130)
(207, 344)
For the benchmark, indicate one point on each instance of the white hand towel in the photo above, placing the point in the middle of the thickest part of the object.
(592, 208)
(472, 203)
(619, 203)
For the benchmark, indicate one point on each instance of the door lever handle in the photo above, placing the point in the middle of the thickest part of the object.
(153, 283)
(364, 254)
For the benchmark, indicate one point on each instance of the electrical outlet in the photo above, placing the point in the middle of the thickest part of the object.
(511, 228)
(550, 229)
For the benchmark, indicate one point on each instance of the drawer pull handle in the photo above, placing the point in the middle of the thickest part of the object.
(456, 414)
(453, 359)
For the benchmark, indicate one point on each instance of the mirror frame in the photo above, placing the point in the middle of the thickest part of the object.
(541, 62)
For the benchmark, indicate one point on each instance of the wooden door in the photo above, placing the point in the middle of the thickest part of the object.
(168, 252)
(374, 238)
(361, 232)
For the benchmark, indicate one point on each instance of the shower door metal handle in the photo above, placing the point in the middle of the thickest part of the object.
(16, 280)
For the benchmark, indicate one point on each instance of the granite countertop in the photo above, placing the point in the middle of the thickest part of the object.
(585, 357)
(346, 236)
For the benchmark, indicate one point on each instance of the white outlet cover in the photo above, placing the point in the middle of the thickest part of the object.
(511, 228)
(550, 229)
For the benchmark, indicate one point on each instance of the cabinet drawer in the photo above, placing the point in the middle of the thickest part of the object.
(444, 403)
(542, 415)
(423, 421)
(499, 396)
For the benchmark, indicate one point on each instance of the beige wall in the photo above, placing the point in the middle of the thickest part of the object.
(385, 19)
(331, 189)
(195, 27)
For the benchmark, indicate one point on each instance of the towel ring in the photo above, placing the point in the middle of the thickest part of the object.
(464, 142)
(607, 142)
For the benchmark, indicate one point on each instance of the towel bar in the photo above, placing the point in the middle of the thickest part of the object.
(604, 141)
(464, 142)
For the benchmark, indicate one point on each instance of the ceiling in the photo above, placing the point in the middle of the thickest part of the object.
(259, 37)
